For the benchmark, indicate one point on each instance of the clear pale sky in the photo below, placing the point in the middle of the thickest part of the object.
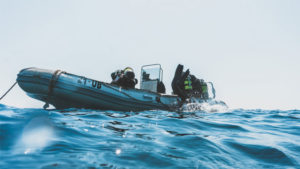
(250, 49)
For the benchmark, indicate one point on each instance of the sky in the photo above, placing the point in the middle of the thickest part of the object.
(249, 49)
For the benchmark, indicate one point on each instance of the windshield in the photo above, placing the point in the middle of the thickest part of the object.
(151, 72)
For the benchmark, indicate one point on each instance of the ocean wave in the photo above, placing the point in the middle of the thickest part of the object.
(80, 138)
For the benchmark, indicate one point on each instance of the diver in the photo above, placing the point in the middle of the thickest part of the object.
(178, 82)
(186, 85)
(196, 87)
(124, 78)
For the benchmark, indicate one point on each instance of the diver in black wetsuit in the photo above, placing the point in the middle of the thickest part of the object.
(177, 82)
(186, 85)
(124, 78)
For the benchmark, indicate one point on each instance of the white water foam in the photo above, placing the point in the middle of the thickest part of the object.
(213, 106)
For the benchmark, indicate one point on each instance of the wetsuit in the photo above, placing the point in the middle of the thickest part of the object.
(124, 79)
(178, 82)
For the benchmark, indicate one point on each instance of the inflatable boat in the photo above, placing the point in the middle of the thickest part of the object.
(64, 90)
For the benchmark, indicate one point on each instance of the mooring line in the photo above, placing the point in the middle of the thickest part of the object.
(8, 90)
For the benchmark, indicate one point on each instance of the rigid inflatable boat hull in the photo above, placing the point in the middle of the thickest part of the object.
(64, 90)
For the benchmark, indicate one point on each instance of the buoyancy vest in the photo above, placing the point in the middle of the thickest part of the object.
(188, 83)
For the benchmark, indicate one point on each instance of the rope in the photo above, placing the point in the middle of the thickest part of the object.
(8, 90)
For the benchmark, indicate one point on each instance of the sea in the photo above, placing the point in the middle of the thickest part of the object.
(193, 137)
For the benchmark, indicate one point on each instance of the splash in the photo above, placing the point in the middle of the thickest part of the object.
(213, 106)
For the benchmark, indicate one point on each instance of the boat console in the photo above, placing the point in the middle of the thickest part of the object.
(151, 77)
